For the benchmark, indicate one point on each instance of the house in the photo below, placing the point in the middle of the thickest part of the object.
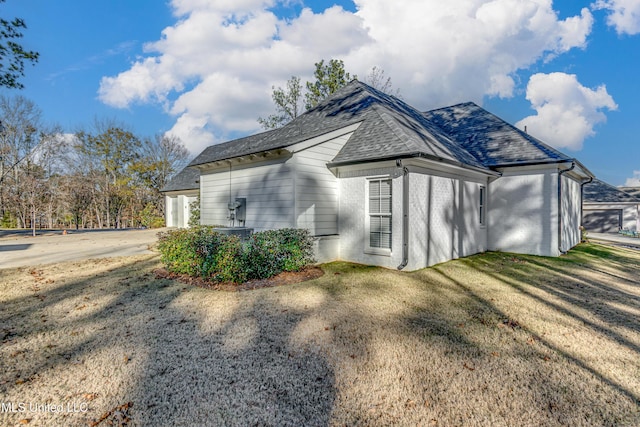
(608, 209)
(179, 194)
(379, 182)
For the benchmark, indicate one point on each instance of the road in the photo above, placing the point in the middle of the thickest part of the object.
(19, 248)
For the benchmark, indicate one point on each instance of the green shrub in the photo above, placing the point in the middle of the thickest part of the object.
(150, 217)
(228, 261)
(202, 252)
(178, 251)
(268, 253)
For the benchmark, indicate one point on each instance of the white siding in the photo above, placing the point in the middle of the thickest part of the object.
(316, 187)
(444, 219)
(178, 208)
(522, 215)
(267, 186)
(571, 202)
(171, 210)
(630, 213)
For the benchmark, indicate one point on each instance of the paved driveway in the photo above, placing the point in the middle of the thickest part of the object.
(615, 239)
(19, 249)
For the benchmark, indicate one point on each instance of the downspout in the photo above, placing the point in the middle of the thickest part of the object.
(405, 215)
(582, 184)
(573, 165)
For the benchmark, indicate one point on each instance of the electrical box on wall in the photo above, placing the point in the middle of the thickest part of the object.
(237, 212)
(241, 210)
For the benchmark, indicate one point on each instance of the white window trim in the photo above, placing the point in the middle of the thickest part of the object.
(367, 221)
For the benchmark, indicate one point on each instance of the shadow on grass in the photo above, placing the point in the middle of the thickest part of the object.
(359, 346)
(578, 290)
(123, 336)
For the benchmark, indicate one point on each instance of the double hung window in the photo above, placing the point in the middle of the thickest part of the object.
(380, 232)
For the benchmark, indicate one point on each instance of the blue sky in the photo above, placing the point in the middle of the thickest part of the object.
(203, 70)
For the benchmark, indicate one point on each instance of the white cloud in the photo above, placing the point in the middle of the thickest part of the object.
(624, 15)
(215, 67)
(633, 181)
(566, 110)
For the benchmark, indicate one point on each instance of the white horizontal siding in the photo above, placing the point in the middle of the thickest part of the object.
(316, 192)
(267, 186)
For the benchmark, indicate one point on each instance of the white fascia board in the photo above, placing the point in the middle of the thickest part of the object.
(192, 192)
(608, 205)
(419, 165)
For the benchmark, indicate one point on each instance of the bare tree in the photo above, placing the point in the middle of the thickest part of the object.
(377, 79)
(19, 138)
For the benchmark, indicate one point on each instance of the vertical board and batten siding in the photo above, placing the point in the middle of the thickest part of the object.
(266, 185)
(522, 215)
(444, 220)
(571, 201)
(316, 187)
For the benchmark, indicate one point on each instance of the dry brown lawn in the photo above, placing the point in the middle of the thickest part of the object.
(494, 339)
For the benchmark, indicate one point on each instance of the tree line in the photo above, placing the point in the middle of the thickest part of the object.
(104, 176)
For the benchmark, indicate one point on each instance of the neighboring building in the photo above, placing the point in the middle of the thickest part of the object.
(179, 193)
(379, 182)
(608, 209)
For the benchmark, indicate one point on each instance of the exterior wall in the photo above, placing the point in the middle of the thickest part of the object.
(296, 190)
(353, 238)
(316, 187)
(267, 186)
(444, 220)
(630, 213)
(327, 248)
(522, 215)
(178, 208)
(571, 199)
(443, 213)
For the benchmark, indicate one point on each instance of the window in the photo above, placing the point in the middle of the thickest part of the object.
(380, 213)
(482, 205)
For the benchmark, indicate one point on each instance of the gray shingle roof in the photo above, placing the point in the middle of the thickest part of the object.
(390, 128)
(463, 134)
(634, 191)
(187, 179)
(490, 139)
(600, 192)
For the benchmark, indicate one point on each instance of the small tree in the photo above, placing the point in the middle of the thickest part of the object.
(288, 104)
(329, 78)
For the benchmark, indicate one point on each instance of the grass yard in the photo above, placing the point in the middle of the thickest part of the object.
(495, 339)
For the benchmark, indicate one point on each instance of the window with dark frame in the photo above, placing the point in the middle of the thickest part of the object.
(380, 213)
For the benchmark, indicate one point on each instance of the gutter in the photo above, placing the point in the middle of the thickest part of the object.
(419, 155)
(405, 215)
(573, 165)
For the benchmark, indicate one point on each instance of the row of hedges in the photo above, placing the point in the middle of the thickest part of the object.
(202, 252)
